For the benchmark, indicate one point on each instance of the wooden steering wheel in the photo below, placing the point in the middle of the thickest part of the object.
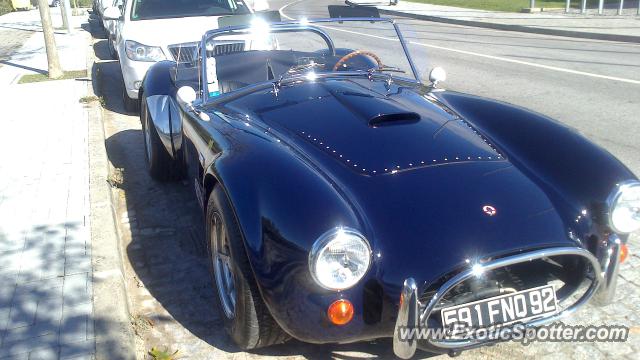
(357, 53)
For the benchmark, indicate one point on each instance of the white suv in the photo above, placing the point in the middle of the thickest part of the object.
(155, 30)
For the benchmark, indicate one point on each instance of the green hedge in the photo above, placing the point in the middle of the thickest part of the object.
(82, 3)
(5, 7)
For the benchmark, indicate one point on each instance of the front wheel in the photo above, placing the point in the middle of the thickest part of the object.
(246, 318)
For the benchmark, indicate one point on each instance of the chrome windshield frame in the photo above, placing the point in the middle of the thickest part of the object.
(294, 25)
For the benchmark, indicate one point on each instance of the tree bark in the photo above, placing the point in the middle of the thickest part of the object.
(53, 61)
(65, 8)
(63, 12)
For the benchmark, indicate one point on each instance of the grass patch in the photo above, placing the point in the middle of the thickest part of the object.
(504, 5)
(92, 98)
(5, 7)
(158, 354)
(32, 78)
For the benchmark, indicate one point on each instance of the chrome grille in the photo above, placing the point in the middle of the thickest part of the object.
(186, 52)
(228, 48)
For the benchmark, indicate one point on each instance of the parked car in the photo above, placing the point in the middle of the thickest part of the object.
(99, 7)
(347, 199)
(111, 28)
(142, 34)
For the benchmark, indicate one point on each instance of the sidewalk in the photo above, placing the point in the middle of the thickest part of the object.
(31, 57)
(46, 292)
(604, 27)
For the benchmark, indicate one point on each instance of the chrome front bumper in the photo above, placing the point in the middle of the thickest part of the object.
(413, 313)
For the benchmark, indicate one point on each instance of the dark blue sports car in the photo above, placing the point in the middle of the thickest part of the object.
(346, 199)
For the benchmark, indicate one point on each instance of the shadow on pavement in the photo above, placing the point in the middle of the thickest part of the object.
(167, 252)
(45, 294)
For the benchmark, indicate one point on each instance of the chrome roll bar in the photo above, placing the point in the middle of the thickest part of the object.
(410, 306)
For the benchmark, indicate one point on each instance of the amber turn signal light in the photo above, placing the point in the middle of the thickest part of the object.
(624, 252)
(340, 312)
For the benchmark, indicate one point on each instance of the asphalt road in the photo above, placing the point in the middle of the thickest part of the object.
(591, 85)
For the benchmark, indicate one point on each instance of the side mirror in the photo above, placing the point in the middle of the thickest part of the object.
(437, 75)
(186, 96)
(111, 13)
(394, 2)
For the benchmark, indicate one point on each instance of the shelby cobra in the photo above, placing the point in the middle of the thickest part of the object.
(347, 200)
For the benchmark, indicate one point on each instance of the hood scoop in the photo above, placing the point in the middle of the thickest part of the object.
(378, 110)
(394, 119)
(372, 129)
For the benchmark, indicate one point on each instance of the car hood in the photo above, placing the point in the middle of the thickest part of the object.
(154, 32)
(432, 190)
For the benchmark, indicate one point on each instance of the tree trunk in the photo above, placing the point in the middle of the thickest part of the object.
(55, 70)
(65, 8)
(63, 12)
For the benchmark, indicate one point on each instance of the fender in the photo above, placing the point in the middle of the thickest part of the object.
(159, 94)
(283, 204)
(576, 172)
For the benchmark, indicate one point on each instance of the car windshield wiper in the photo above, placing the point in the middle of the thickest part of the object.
(387, 68)
(296, 70)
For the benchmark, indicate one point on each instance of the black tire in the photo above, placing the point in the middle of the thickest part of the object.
(161, 166)
(112, 51)
(251, 325)
(130, 105)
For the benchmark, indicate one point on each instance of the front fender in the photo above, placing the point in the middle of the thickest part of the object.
(158, 92)
(558, 157)
(283, 204)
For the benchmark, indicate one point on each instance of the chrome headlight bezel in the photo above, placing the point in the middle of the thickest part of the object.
(150, 53)
(324, 241)
(613, 201)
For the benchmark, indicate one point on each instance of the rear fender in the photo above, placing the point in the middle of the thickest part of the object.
(158, 91)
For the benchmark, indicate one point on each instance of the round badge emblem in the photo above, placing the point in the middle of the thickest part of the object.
(489, 210)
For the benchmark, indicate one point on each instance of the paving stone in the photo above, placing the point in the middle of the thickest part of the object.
(45, 354)
(43, 206)
(30, 344)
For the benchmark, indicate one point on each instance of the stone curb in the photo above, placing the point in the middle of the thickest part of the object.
(112, 318)
(508, 27)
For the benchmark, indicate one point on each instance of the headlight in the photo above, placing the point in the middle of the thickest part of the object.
(624, 211)
(339, 259)
(139, 52)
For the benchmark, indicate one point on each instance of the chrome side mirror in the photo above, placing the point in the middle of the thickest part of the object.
(437, 75)
(111, 13)
(186, 96)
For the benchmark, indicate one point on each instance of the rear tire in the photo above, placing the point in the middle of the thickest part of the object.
(161, 166)
(250, 324)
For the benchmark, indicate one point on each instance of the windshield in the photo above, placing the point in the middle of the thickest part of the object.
(240, 57)
(162, 9)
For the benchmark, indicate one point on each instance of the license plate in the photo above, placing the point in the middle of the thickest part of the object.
(501, 310)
